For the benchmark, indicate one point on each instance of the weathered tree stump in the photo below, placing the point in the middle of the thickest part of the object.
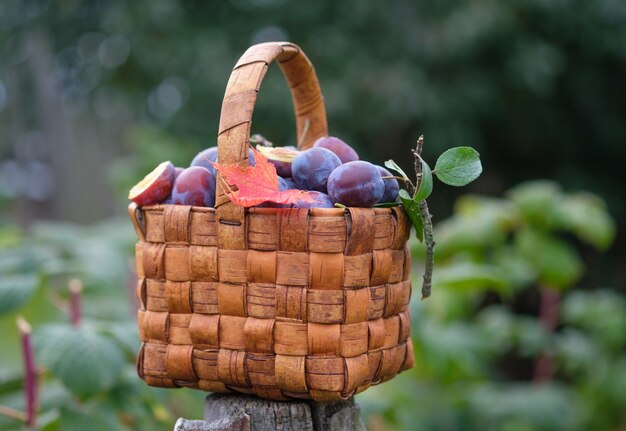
(244, 413)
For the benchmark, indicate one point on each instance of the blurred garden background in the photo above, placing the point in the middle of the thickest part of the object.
(526, 328)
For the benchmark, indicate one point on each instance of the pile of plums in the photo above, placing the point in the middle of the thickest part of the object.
(330, 171)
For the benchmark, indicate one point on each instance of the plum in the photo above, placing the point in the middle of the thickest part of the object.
(344, 151)
(356, 184)
(312, 167)
(178, 171)
(194, 186)
(287, 184)
(391, 186)
(280, 157)
(322, 200)
(203, 157)
(155, 187)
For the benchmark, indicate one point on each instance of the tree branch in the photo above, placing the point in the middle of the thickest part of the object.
(429, 241)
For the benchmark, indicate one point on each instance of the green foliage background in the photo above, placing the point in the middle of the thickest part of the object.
(107, 89)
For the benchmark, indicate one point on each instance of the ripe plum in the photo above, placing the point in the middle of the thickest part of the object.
(356, 184)
(344, 151)
(312, 167)
(194, 186)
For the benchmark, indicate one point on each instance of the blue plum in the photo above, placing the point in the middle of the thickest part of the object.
(203, 157)
(194, 186)
(287, 184)
(312, 167)
(322, 201)
(356, 184)
(391, 186)
(344, 151)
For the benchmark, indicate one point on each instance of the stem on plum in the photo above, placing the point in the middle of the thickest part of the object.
(76, 289)
(429, 240)
(30, 372)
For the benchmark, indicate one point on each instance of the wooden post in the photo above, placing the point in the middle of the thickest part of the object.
(225, 412)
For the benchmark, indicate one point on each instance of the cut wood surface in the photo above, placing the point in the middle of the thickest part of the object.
(225, 412)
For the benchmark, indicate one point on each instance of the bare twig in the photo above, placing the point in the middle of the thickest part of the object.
(12, 413)
(549, 319)
(76, 289)
(30, 372)
(428, 225)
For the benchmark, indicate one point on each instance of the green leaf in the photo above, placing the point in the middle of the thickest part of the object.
(471, 276)
(458, 166)
(394, 167)
(413, 211)
(586, 215)
(537, 201)
(85, 361)
(425, 186)
(88, 418)
(15, 290)
(556, 263)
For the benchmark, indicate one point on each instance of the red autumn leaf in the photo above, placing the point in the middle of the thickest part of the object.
(258, 184)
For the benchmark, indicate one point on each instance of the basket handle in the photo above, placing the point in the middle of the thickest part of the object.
(238, 105)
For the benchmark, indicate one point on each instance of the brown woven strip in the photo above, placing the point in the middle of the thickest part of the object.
(231, 367)
(291, 303)
(290, 338)
(354, 339)
(293, 229)
(231, 333)
(203, 263)
(361, 237)
(262, 300)
(324, 339)
(261, 266)
(204, 297)
(259, 335)
(231, 299)
(326, 270)
(290, 373)
(179, 362)
(204, 331)
(261, 370)
(154, 225)
(153, 260)
(176, 223)
(357, 372)
(179, 329)
(178, 296)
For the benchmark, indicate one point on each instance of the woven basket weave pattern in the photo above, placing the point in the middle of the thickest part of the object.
(281, 303)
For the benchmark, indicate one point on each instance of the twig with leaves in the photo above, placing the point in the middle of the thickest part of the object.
(457, 166)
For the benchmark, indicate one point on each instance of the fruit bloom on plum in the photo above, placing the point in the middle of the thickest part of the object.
(194, 186)
(344, 151)
(312, 167)
(356, 184)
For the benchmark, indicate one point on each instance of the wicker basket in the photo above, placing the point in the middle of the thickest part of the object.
(280, 303)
